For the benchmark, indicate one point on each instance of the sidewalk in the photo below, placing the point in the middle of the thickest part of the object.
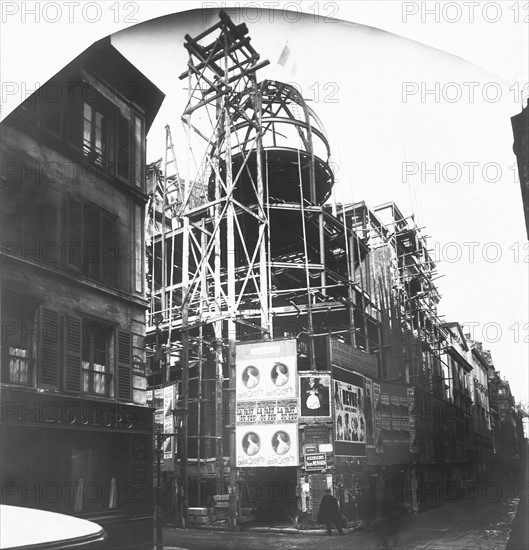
(483, 523)
(287, 529)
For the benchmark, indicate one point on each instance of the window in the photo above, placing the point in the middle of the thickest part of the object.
(90, 238)
(57, 350)
(18, 319)
(95, 136)
(106, 130)
(95, 358)
(138, 147)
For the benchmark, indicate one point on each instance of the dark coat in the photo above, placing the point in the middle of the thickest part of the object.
(329, 511)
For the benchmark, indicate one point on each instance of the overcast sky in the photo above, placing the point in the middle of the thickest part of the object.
(416, 98)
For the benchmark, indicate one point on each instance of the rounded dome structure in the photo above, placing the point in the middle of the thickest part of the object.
(294, 148)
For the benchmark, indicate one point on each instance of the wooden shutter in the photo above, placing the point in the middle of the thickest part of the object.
(74, 232)
(107, 250)
(72, 353)
(123, 147)
(49, 333)
(124, 370)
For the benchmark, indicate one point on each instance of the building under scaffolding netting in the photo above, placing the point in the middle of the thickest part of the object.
(243, 248)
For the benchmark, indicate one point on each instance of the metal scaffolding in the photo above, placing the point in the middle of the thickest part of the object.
(243, 246)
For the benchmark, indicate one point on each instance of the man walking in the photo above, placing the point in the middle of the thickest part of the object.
(329, 513)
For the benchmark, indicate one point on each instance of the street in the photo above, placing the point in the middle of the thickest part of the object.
(481, 522)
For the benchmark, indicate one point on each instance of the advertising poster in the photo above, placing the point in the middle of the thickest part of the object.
(267, 407)
(349, 416)
(168, 419)
(413, 436)
(369, 412)
(411, 401)
(158, 421)
(158, 398)
(315, 462)
(267, 412)
(378, 440)
(262, 445)
(315, 396)
(266, 370)
(149, 398)
(376, 397)
(306, 502)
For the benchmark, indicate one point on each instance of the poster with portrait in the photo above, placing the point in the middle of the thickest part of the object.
(349, 415)
(266, 370)
(267, 445)
(315, 395)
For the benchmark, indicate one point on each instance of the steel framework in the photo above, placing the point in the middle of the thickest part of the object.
(247, 248)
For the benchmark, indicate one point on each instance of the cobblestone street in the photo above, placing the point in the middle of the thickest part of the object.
(483, 522)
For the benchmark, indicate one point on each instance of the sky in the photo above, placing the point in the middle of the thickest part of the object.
(415, 97)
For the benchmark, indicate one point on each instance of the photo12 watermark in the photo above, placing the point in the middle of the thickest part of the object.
(465, 12)
(470, 252)
(467, 92)
(69, 12)
(272, 12)
(458, 172)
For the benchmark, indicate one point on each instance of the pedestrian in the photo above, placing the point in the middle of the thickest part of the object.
(329, 513)
(392, 523)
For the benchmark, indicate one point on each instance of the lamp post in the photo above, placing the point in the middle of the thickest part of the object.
(158, 319)
(160, 438)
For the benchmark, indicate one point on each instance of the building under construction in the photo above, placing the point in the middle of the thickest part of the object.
(295, 346)
(244, 250)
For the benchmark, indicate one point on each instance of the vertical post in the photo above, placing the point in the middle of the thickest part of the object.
(349, 254)
(199, 413)
(263, 233)
(185, 324)
(219, 410)
(217, 325)
(159, 526)
(323, 278)
(164, 244)
(231, 297)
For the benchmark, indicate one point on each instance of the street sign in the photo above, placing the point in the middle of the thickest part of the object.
(315, 462)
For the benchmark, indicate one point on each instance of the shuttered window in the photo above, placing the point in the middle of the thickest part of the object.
(49, 350)
(91, 241)
(124, 366)
(72, 353)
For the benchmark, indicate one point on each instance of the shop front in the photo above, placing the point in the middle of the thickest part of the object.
(82, 457)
